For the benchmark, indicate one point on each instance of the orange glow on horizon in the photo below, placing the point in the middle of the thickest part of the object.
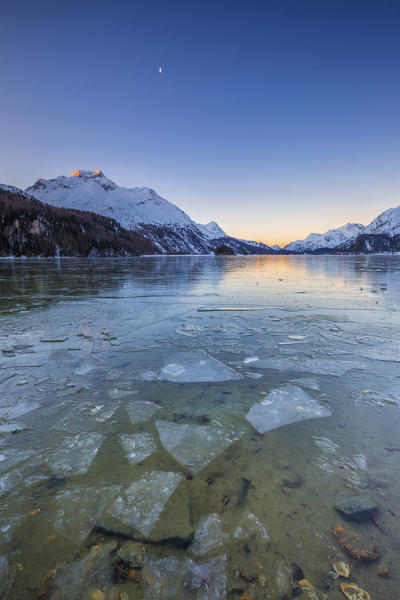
(77, 172)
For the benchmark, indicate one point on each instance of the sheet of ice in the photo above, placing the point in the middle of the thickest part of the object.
(77, 510)
(89, 578)
(140, 411)
(283, 406)
(326, 445)
(208, 536)
(195, 446)
(84, 369)
(76, 454)
(19, 407)
(249, 526)
(116, 393)
(353, 469)
(253, 375)
(250, 359)
(194, 367)
(229, 309)
(103, 413)
(11, 457)
(309, 365)
(113, 375)
(389, 351)
(171, 578)
(54, 338)
(141, 504)
(9, 481)
(307, 384)
(138, 446)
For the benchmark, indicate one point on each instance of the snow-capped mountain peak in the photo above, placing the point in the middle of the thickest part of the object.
(94, 192)
(212, 230)
(330, 239)
(387, 222)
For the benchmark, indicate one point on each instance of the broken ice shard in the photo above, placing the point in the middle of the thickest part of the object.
(196, 366)
(195, 446)
(77, 510)
(76, 454)
(309, 365)
(138, 446)
(171, 578)
(248, 526)
(208, 536)
(140, 411)
(283, 406)
(141, 504)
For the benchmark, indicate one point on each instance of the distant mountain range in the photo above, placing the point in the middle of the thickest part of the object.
(381, 235)
(158, 225)
(139, 209)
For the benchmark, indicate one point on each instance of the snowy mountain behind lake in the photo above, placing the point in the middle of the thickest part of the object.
(138, 208)
(328, 240)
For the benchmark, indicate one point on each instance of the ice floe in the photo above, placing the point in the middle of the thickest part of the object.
(307, 384)
(309, 365)
(116, 393)
(76, 454)
(249, 526)
(137, 446)
(196, 366)
(171, 578)
(283, 406)
(140, 505)
(195, 446)
(87, 578)
(208, 536)
(77, 509)
(140, 411)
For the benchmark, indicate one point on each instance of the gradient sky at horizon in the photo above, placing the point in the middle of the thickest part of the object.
(273, 118)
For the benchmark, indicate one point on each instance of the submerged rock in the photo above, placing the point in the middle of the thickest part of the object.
(132, 554)
(355, 508)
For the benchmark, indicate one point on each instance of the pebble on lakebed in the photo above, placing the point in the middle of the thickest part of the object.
(353, 592)
(354, 508)
(342, 569)
(355, 545)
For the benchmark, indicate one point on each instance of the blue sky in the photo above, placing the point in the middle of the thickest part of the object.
(274, 118)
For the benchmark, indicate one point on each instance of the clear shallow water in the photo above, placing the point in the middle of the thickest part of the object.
(127, 385)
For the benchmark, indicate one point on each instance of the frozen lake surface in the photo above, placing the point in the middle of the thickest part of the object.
(183, 427)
